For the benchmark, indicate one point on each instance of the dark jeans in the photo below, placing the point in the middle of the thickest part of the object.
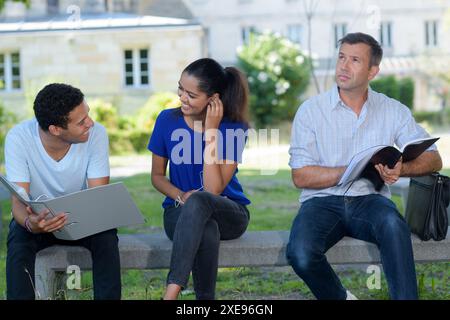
(23, 246)
(322, 222)
(196, 229)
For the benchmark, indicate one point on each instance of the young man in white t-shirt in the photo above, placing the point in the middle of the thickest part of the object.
(60, 151)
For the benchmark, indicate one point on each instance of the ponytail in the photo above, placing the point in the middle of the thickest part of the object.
(235, 96)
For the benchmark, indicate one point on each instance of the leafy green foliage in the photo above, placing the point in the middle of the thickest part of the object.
(146, 116)
(7, 120)
(401, 90)
(2, 3)
(278, 74)
(130, 134)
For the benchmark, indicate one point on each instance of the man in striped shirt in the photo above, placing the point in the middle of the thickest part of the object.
(328, 130)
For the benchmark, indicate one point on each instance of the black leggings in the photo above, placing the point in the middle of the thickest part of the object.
(196, 229)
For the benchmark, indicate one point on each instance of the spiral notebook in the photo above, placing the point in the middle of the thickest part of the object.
(89, 211)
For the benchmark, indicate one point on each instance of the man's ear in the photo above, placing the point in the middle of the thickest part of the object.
(373, 71)
(54, 130)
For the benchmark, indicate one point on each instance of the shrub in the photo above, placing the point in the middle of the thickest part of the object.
(130, 134)
(104, 113)
(406, 94)
(431, 117)
(278, 74)
(401, 90)
(146, 116)
(7, 121)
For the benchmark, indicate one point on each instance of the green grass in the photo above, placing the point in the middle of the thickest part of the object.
(274, 206)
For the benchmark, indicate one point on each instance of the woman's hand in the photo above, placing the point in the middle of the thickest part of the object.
(214, 113)
(185, 195)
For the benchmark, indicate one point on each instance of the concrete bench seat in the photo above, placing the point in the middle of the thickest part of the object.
(254, 248)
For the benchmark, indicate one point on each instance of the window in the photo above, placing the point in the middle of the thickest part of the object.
(137, 68)
(431, 33)
(386, 34)
(295, 32)
(245, 32)
(125, 5)
(52, 6)
(340, 30)
(143, 61)
(10, 71)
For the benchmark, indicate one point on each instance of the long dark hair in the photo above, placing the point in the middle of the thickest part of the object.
(229, 82)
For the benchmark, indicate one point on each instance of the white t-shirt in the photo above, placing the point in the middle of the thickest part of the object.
(27, 161)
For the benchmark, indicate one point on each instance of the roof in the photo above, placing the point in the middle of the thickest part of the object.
(89, 22)
(166, 8)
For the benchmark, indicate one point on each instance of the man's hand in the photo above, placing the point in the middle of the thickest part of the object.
(388, 175)
(39, 224)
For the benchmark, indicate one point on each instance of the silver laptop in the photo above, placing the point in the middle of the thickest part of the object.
(90, 211)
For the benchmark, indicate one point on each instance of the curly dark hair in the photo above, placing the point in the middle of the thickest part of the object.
(54, 103)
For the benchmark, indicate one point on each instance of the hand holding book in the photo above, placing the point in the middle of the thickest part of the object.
(363, 164)
(389, 175)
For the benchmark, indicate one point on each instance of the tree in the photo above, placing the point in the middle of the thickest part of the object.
(278, 74)
(2, 3)
(310, 8)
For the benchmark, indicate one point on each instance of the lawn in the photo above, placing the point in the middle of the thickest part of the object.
(274, 205)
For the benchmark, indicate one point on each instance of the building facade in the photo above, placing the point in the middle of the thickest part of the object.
(415, 34)
(119, 57)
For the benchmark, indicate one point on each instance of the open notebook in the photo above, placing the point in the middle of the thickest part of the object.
(90, 211)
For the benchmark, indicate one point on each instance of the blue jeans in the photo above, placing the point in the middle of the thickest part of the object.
(322, 222)
(196, 229)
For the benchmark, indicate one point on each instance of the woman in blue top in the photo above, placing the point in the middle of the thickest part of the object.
(202, 141)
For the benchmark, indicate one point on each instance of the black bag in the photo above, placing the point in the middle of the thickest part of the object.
(426, 210)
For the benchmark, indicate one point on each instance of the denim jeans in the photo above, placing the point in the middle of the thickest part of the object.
(323, 221)
(22, 247)
(196, 229)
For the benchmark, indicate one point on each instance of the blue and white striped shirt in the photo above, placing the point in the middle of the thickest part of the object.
(328, 133)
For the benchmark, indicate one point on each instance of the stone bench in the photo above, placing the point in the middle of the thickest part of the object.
(254, 248)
